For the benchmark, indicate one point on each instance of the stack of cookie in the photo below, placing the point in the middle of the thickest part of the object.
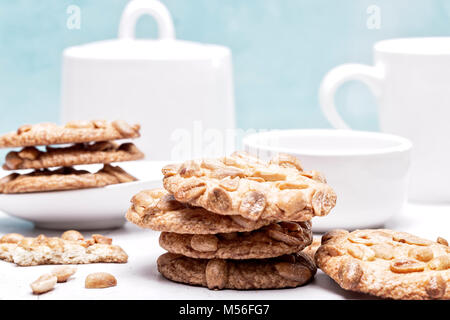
(235, 222)
(85, 142)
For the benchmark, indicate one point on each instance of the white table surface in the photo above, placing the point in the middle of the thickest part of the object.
(139, 278)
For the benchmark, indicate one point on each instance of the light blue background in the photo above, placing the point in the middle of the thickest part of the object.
(281, 51)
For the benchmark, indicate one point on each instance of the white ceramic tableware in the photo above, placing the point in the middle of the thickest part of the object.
(411, 81)
(176, 90)
(367, 170)
(93, 208)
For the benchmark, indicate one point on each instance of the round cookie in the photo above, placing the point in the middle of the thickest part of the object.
(312, 248)
(158, 210)
(282, 272)
(65, 178)
(386, 263)
(72, 132)
(83, 153)
(243, 185)
(271, 241)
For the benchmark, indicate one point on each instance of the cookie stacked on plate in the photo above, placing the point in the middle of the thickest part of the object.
(84, 142)
(235, 222)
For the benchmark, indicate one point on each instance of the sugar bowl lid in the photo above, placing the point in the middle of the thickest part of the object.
(164, 48)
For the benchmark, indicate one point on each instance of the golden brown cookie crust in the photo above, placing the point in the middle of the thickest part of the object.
(26, 251)
(311, 249)
(283, 272)
(245, 186)
(386, 263)
(73, 132)
(98, 152)
(158, 210)
(271, 241)
(6, 251)
(65, 178)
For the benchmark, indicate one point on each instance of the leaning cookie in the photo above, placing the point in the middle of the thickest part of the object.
(65, 178)
(158, 210)
(282, 272)
(312, 248)
(25, 251)
(97, 152)
(386, 263)
(73, 132)
(245, 186)
(271, 241)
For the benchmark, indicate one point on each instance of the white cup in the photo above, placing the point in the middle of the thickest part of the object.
(367, 170)
(179, 91)
(411, 81)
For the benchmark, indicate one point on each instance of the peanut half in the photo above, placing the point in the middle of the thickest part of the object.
(99, 280)
(44, 283)
(63, 273)
(11, 238)
(72, 235)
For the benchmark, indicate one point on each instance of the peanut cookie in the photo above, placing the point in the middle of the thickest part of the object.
(312, 248)
(83, 153)
(25, 251)
(158, 210)
(73, 132)
(6, 251)
(282, 272)
(271, 241)
(245, 186)
(65, 178)
(386, 263)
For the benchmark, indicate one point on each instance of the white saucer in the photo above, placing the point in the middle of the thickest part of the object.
(94, 208)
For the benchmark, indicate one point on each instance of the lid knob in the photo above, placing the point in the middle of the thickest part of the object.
(136, 8)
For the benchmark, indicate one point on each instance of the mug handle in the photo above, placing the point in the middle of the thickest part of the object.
(136, 8)
(372, 76)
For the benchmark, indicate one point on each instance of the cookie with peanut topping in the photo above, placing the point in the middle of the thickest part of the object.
(282, 272)
(386, 263)
(241, 185)
(82, 153)
(312, 248)
(73, 132)
(158, 210)
(70, 248)
(65, 178)
(271, 241)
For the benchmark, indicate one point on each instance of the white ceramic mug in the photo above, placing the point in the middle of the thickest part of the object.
(180, 92)
(411, 81)
(367, 170)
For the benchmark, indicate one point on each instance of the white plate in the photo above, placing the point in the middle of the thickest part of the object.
(94, 208)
